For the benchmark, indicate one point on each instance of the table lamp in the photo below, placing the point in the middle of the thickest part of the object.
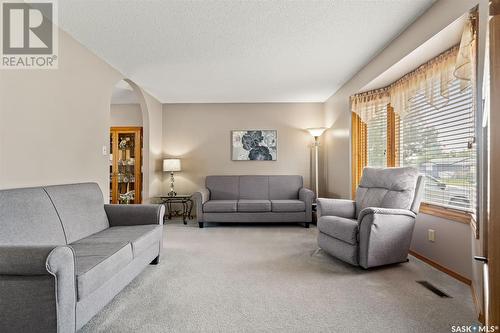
(171, 165)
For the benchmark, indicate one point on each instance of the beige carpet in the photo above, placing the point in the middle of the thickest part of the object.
(274, 279)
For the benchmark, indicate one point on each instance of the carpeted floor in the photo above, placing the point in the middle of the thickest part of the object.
(241, 278)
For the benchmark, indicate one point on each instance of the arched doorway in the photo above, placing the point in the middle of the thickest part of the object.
(129, 137)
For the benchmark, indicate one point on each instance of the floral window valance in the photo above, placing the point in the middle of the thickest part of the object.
(434, 75)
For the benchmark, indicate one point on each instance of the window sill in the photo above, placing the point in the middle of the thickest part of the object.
(446, 213)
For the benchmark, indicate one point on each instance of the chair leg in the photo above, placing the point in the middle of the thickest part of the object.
(155, 261)
(306, 225)
(201, 224)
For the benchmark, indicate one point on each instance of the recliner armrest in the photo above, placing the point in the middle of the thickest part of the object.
(384, 235)
(35, 260)
(385, 211)
(124, 215)
(336, 207)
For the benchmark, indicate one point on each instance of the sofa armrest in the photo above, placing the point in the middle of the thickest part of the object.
(336, 207)
(307, 196)
(384, 236)
(199, 198)
(34, 260)
(124, 215)
(38, 288)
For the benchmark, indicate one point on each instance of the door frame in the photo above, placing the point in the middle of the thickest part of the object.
(492, 268)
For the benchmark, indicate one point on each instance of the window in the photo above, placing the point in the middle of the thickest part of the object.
(426, 119)
(436, 138)
(377, 138)
(439, 140)
(371, 142)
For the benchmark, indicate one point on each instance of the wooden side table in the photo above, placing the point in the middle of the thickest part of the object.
(187, 206)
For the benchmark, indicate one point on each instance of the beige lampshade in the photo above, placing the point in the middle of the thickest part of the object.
(171, 164)
(317, 131)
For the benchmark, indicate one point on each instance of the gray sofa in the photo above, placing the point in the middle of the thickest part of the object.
(64, 254)
(377, 228)
(254, 199)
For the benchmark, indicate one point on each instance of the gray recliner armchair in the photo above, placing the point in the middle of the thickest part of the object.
(377, 228)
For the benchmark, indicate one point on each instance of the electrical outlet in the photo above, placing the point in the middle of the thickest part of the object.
(104, 150)
(431, 235)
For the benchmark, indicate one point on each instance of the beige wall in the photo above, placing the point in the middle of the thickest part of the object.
(452, 252)
(153, 135)
(200, 135)
(54, 123)
(452, 247)
(126, 115)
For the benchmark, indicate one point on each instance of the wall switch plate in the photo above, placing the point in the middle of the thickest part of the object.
(104, 150)
(431, 235)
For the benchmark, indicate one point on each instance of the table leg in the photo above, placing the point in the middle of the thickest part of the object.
(190, 215)
(169, 204)
(165, 216)
(184, 211)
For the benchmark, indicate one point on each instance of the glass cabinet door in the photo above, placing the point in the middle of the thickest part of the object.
(126, 166)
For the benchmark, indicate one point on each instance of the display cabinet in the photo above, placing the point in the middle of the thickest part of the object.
(125, 165)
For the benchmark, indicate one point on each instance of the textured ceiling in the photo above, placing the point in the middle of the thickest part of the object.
(238, 51)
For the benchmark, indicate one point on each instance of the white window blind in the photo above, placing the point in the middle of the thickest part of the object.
(376, 129)
(439, 140)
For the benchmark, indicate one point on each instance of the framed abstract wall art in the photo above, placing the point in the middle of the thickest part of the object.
(254, 145)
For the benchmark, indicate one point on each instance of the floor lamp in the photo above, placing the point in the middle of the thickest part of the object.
(316, 133)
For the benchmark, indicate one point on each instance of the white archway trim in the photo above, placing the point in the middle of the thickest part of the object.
(145, 137)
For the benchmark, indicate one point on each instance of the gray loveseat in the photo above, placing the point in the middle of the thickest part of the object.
(254, 199)
(64, 254)
(377, 228)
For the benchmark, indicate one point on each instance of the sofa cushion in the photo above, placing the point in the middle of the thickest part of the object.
(254, 187)
(288, 206)
(284, 187)
(96, 263)
(28, 217)
(254, 206)
(340, 228)
(223, 187)
(80, 208)
(220, 206)
(139, 236)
